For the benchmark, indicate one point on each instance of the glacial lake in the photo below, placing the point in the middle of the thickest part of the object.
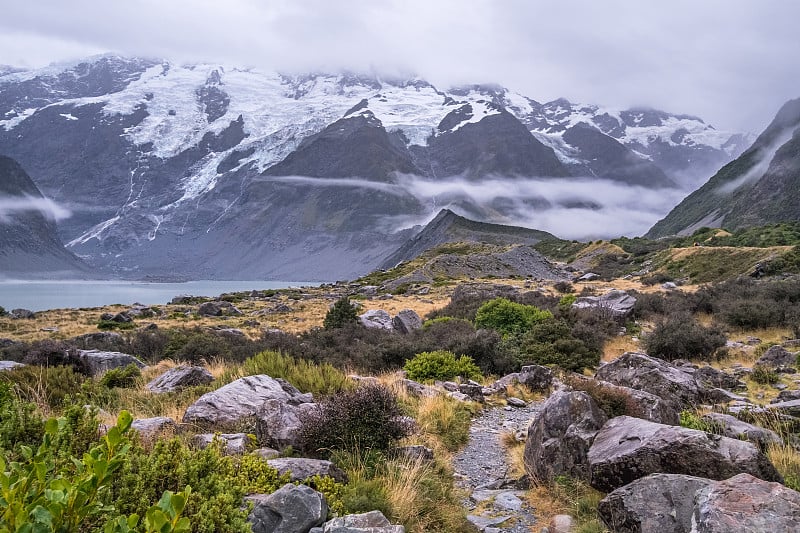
(43, 295)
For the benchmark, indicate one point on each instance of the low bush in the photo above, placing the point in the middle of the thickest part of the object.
(509, 317)
(441, 365)
(341, 314)
(682, 337)
(564, 287)
(552, 343)
(307, 376)
(110, 325)
(367, 418)
(20, 424)
(692, 420)
(47, 387)
(764, 375)
(123, 377)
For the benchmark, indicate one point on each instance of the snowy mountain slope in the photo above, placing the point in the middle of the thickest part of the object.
(159, 160)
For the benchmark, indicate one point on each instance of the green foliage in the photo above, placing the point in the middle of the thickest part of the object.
(367, 418)
(551, 343)
(441, 365)
(680, 336)
(509, 317)
(690, 419)
(764, 375)
(333, 491)
(20, 425)
(341, 314)
(165, 517)
(3, 311)
(108, 325)
(566, 301)
(47, 386)
(307, 376)
(564, 287)
(124, 378)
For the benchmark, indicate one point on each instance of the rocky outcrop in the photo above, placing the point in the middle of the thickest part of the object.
(780, 359)
(627, 448)
(745, 503)
(560, 437)
(180, 377)
(278, 423)
(149, 428)
(633, 402)
(234, 443)
(658, 502)
(239, 401)
(290, 509)
(376, 319)
(407, 321)
(615, 303)
(732, 427)
(303, 468)
(99, 362)
(372, 522)
(218, 308)
(8, 365)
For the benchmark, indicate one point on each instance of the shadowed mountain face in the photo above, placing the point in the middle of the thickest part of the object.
(211, 172)
(29, 243)
(761, 186)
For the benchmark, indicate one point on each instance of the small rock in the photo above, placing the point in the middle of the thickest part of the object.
(22, 314)
(180, 377)
(302, 468)
(562, 523)
(515, 402)
(415, 452)
(290, 509)
(407, 321)
(151, 427)
(235, 443)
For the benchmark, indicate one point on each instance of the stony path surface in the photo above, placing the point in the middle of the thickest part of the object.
(494, 505)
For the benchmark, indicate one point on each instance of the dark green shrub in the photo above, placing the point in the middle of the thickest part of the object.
(509, 317)
(52, 353)
(44, 385)
(564, 287)
(3, 311)
(124, 378)
(108, 325)
(341, 314)
(682, 337)
(367, 418)
(441, 365)
(764, 375)
(20, 424)
(551, 343)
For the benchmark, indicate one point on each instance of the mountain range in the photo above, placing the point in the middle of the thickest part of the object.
(213, 172)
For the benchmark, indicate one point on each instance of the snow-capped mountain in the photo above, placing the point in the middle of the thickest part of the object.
(212, 171)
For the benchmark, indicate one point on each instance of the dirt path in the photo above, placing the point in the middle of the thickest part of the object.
(494, 505)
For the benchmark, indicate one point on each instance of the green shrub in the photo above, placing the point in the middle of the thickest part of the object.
(441, 365)
(509, 317)
(564, 287)
(566, 301)
(341, 314)
(305, 375)
(20, 425)
(46, 386)
(552, 343)
(108, 325)
(3, 311)
(682, 337)
(764, 375)
(367, 418)
(691, 420)
(124, 378)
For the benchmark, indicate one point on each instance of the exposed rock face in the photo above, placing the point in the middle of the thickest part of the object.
(710, 377)
(737, 429)
(290, 509)
(235, 443)
(791, 408)
(151, 427)
(218, 308)
(302, 468)
(100, 362)
(779, 358)
(278, 423)
(745, 503)
(180, 377)
(536, 377)
(627, 448)
(376, 319)
(642, 372)
(559, 438)
(407, 321)
(638, 403)
(238, 401)
(22, 314)
(658, 502)
(616, 303)
(372, 522)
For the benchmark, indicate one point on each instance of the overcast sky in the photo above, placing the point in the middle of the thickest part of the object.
(732, 62)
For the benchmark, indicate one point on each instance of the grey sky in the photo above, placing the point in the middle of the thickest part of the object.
(732, 62)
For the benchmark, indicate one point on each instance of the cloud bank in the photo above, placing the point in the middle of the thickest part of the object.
(13, 205)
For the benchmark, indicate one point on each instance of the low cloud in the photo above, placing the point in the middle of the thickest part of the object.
(14, 205)
(757, 171)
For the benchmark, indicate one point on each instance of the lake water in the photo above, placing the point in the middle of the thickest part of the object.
(42, 295)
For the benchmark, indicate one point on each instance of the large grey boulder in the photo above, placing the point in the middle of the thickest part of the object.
(234, 443)
(627, 448)
(709, 377)
(218, 308)
(637, 403)
(536, 377)
(149, 428)
(99, 362)
(376, 319)
(658, 502)
(22, 314)
(790, 408)
(787, 396)
(8, 365)
(778, 358)
(642, 372)
(615, 303)
(238, 401)
(278, 423)
(302, 468)
(407, 321)
(180, 377)
(559, 438)
(745, 503)
(372, 522)
(290, 509)
(732, 427)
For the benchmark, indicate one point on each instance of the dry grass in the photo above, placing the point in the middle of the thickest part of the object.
(616, 346)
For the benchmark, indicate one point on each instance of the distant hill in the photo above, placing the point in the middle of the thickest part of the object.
(29, 243)
(449, 227)
(762, 186)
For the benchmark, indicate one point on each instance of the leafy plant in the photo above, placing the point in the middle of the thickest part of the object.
(441, 365)
(509, 317)
(305, 375)
(124, 378)
(764, 375)
(341, 314)
(680, 336)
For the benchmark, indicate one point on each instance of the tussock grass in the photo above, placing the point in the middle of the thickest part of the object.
(305, 375)
(616, 346)
(447, 419)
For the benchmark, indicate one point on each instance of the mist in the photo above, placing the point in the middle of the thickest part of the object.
(14, 205)
(756, 172)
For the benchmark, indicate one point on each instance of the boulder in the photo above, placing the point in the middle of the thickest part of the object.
(474, 391)
(791, 408)
(710, 377)
(732, 427)
(101, 337)
(589, 276)
(290, 509)
(415, 452)
(278, 423)
(238, 401)
(559, 438)
(302, 468)
(376, 319)
(779, 358)
(746, 503)
(787, 396)
(627, 448)
(616, 303)
(180, 377)
(656, 376)
(22, 313)
(99, 362)
(142, 311)
(8, 365)
(407, 321)
(536, 377)
(637, 403)
(218, 308)
(235, 443)
(658, 502)
(151, 427)
(372, 522)
(482, 292)
(120, 318)
(418, 389)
